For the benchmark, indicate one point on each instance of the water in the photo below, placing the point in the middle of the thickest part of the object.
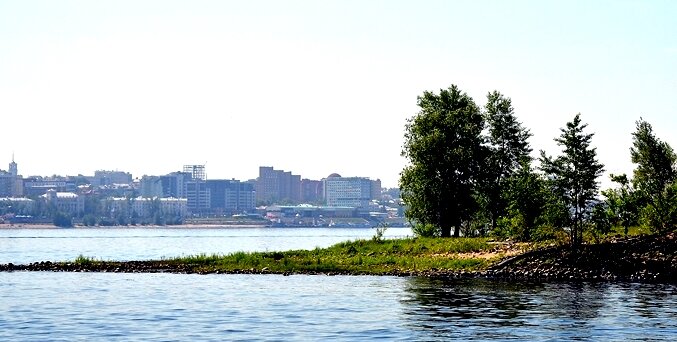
(45, 306)
(123, 244)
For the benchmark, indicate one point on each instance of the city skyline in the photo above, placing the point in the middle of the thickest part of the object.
(16, 166)
(316, 87)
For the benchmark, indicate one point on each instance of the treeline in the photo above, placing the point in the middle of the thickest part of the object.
(471, 172)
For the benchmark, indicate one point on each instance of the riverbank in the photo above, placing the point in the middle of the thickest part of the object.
(646, 258)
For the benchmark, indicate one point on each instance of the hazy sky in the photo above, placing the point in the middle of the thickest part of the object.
(315, 87)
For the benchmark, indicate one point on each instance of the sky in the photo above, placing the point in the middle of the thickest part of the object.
(315, 87)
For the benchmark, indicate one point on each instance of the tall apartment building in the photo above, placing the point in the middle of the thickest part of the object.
(277, 185)
(227, 197)
(174, 184)
(354, 192)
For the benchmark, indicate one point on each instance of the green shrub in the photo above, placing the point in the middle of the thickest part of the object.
(426, 230)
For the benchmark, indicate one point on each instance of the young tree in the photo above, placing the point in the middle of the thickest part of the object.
(574, 174)
(508, 147)
(622, 202)
(443, 143)
(654, 177)
(526, 197)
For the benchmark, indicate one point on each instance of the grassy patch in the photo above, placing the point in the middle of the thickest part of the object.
(360, 257)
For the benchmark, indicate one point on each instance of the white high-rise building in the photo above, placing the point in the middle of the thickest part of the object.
(353, 192)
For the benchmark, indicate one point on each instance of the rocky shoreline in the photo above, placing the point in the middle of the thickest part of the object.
(646, 259)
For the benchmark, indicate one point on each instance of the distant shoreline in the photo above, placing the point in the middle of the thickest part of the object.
(178, 226)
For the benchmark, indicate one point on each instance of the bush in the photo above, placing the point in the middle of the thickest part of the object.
(89, 220)
(63, 220)
(426, 230)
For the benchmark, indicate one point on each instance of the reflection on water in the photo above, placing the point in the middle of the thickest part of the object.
(481, 310)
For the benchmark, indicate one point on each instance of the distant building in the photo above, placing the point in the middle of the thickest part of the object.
(174, 184)
(102, 178)
(38, 186)
(20, 205)
(143, 207)
(354, 192)
(277, 185)
(66, 202)
(230, 196)
(311, 191)
(6, 183)
(10, 181)
(150, 186)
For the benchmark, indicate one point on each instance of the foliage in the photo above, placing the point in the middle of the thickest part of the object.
(426, 230)
(380, 232)
(601, 219)
(508, 149)
(89, 220)
(573, 175)
(660, 215)
(359, 257)
(527, 197)
(443, 144)
(62, 220)
(654, 178)
(623, 203)
(655, 160)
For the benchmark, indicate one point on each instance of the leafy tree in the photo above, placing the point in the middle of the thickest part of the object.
(654, 177)
(63, 220)
(622, 202)
(443, 143)
(526, 197)
(602, 219)
(573, 174)
(89, 220)
(508, 147)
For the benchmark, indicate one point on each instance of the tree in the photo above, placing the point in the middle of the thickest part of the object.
(443, 144)
(62, 220)
(654, 177)
(508, 148)
(526, 197)
(622, 202)
(573, 175)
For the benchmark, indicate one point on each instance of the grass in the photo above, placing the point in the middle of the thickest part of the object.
(413, 255)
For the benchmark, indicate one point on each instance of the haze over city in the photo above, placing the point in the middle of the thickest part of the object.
(315, 87)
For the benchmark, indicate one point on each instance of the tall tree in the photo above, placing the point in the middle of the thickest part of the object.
(508, 146)
(654, 176)
(444, 146)
(573, 174)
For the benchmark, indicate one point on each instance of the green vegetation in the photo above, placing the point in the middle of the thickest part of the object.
(470, 172)
(374, 257)
(361, 257)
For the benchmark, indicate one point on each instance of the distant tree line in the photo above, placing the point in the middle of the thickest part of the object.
(471, 172)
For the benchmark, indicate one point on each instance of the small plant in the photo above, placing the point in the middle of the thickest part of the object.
(83, 260)
(380, 231)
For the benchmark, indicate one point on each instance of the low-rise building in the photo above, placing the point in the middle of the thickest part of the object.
(66, 202)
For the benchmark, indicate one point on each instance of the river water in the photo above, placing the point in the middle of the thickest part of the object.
(45, 306)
